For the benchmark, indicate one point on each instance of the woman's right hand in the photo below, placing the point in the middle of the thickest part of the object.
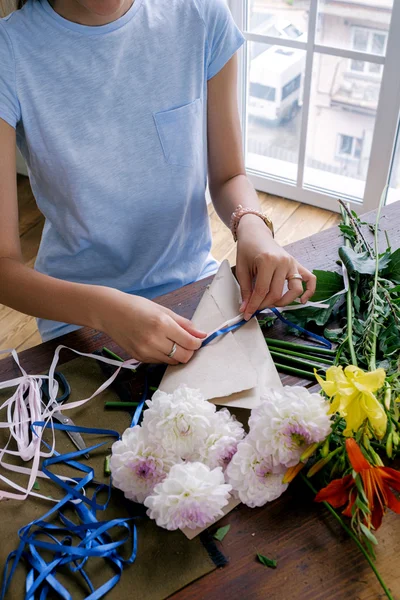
(146, 330)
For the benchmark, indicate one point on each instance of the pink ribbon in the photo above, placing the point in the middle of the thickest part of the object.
(26, 407)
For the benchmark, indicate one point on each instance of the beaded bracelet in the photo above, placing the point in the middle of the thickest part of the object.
(240, 212)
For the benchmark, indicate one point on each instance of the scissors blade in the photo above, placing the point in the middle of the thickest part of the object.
(74, 436)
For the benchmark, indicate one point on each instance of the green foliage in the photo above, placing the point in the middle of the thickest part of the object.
(267, 562)
(328, 284)
(393, 269)
(221, 533)
(360, 262)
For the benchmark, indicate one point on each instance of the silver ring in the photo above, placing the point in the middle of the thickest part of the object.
(294, 276)
(171, 354)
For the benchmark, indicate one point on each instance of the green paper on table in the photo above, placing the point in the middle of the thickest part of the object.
(166, 561)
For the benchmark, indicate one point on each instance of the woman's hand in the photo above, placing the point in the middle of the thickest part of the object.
(262, 267)
(146, 330)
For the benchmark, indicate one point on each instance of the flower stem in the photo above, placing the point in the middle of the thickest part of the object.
(349, 304)
(325, 361)
(302, 347)
(306, 364)
(295, 371)
(372, 358)
(353, 537)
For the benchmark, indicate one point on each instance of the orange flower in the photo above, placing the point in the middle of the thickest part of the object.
(378, 483)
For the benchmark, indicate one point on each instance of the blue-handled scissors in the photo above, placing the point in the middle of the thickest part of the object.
(65, 390)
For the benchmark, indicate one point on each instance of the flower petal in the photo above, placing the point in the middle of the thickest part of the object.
(354, 415)
(366, 381)
(329, 387)
(356, 457)
(336, 492)
(393, 502)
(374, 411)
(376, 516)
(391, 477)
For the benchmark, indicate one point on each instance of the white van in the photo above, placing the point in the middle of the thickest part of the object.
(276, 84)
(276, 75)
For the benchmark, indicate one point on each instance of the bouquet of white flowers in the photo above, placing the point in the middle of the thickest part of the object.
(186, 459)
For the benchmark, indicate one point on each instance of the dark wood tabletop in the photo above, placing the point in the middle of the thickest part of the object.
(315, 558)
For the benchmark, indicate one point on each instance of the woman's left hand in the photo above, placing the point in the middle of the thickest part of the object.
(262, 267)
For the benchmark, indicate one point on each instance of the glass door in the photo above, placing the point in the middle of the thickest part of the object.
(320, 96)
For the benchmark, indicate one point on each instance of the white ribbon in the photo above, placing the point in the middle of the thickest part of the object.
(25, 407)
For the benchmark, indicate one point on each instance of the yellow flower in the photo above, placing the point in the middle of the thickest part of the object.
(353, 396)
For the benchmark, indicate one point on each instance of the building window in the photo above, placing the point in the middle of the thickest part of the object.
(291, 87)
(349, 146)
(371, 41)
(309, 80)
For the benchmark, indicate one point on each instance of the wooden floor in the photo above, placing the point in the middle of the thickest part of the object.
(292, 221)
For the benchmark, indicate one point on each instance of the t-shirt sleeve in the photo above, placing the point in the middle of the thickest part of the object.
(9, 105)
(223, 36)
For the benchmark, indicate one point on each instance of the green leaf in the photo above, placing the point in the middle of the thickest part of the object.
(221, 533)
(361, 262)
(362, 506)
(319, 316)
(267, 562)
(335, 335)
(36, 485)
(393, 269)
(368, 534)
(328, 284)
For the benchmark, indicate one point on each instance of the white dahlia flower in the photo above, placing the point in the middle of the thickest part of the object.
(137, 465)
(253, 477)
(181, 421)
(192, 495)
(287, 421)
(222, 441)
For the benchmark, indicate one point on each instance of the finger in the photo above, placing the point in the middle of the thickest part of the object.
(245, 281)
(276, 288)
(181, 355)
(295, 290)
(188, 326)
(182, 337)
(260, 291)
(156, 357)
(310, 281)
(162, 358)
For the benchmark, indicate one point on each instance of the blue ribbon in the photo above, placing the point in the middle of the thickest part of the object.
(277, 313)
(93, 535)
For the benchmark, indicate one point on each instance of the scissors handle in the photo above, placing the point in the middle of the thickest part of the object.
(63, 385)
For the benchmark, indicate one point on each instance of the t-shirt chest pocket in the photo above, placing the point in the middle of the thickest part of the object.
(181, 133)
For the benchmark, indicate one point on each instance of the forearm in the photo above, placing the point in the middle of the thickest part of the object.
(46, 297)
(227, 196)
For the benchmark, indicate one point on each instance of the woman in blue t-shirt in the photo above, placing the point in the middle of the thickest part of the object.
(122, 110)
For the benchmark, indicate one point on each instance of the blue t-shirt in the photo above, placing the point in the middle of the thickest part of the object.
(111, 121)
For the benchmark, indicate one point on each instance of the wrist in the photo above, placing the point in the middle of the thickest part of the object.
(251, 222)
(238, 215)
(101, 303)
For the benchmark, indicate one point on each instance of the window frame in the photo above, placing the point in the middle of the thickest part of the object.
(344, 155)
(367, 66)
(386, 121)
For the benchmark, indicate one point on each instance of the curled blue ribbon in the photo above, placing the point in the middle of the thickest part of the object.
(58, 540)
(310, 334)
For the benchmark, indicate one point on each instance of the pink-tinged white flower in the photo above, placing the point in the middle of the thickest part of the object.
(192, 495)
(137, 465)
(181, 421)
(223, 440)
(287, 421)
(253, 476)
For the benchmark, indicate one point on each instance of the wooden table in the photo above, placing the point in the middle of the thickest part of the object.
(316, 560)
